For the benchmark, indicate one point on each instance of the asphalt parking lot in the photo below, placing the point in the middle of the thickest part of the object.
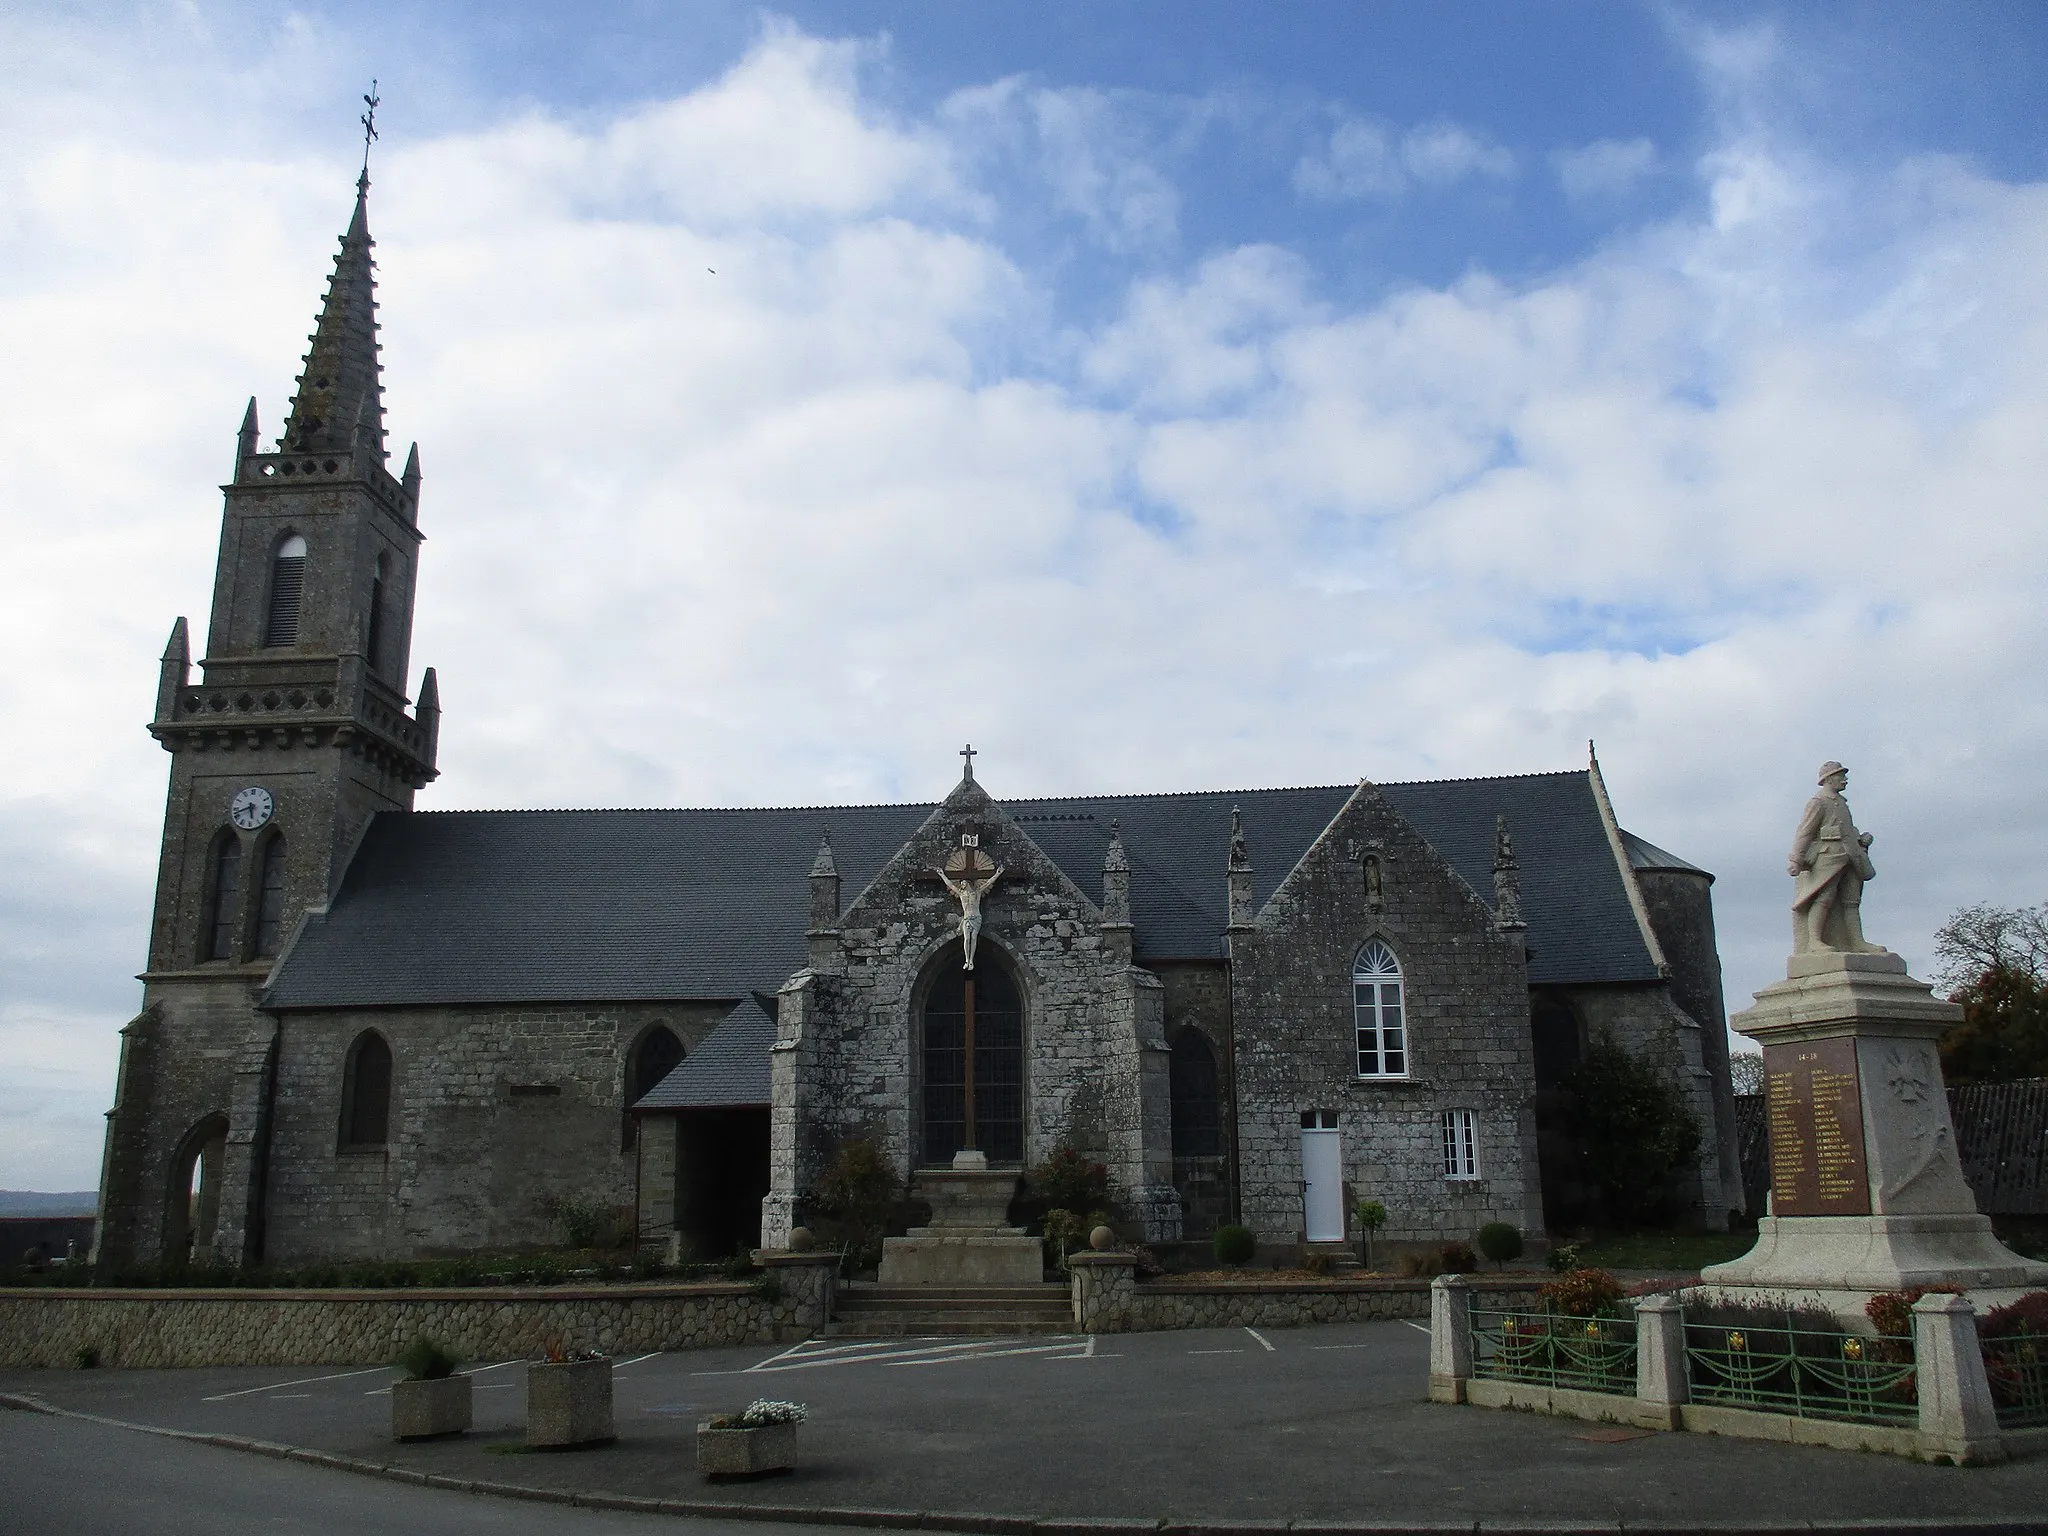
(1218, 1427)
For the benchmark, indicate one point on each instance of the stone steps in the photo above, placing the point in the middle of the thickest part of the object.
(910, 1311)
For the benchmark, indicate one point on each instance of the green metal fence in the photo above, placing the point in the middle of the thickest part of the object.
(1810, 1374)
(2018, 1369)
(1589, 1354)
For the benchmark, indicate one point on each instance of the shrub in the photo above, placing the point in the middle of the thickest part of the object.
(1891, 1312)
(1500, 1241)
(1234, 1244)
(1067, 1180)
(858, 1190)
(1457, 1258)
(2027, 1315)
(1583, 1293)
(87, 1357)
(1371, 1215)
(761, 1412)
(1419, 1266)
(1563, 1258)
(425, 1360)
(587, 1223)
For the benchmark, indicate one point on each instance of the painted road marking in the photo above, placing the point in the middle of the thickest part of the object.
(622, 1364)
(1233, 1350)
(810, 1355)
(1261, 1338)
(386, 1391)
(1416, 1326)
(303, 1381)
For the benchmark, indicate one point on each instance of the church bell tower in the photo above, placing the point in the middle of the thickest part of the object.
(297, 730)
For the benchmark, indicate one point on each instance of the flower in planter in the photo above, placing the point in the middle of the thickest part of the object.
(762, 1412)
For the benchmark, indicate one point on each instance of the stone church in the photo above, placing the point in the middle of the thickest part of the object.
(370, 1031)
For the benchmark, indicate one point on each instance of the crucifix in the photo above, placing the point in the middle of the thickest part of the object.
(969, 874)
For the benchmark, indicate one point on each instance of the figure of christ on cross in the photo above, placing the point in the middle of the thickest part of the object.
(969, 874)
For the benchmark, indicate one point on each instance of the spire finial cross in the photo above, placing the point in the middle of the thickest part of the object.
(969, 754)
(369, 122)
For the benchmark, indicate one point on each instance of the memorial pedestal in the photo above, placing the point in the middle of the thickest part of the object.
(1867, 1193)
(967, 1242)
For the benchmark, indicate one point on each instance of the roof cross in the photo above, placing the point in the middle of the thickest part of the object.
(369, 122)
(967, 752)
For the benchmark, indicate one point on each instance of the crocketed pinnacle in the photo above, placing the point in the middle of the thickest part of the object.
(343, 384)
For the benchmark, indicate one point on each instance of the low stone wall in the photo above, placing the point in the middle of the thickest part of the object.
(233, 1327)
(1158, 1304)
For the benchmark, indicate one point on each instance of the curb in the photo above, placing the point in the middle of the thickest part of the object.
(1015, 1525)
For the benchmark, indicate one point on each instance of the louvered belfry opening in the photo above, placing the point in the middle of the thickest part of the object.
(270, 898)
(227, 886)
(998, 1061)
(287, 589)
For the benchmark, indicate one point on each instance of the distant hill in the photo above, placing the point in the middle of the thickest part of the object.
(31, 1202)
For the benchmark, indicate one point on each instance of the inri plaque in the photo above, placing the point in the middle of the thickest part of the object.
(1815, 1103)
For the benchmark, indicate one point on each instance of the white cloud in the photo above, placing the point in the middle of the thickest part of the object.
(1740, 492)
(1606, 168)
(1364, 160)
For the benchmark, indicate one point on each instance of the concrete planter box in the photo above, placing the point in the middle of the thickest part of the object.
(745, 1452)
(421, 1410)
(569, 1402)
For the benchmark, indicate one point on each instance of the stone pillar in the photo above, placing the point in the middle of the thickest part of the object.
(1102, 1290)
(238, 1193)
(655, 1144)
(1868, 1193)
(810, 1284)
(1152, 1198)
(1957, 1418)
(1661, 1381)
(792, 1089)
(1450, 1338)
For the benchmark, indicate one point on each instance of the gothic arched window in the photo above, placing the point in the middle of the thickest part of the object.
(366, 1092)
(998, 1060)
(1196, 1107)
(655, 1054)
(270, 896)
(223, 895)
(287, 587)
(1380, 1012)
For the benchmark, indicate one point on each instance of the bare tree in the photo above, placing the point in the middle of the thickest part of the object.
(1746, 1070)
(1987, 937)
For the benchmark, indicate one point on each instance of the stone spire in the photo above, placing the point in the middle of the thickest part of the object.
(824, 899)
(340, 400)
(1116, 894)
(175, 671)
(1507, 879)
(1239, 873)
(245, 440)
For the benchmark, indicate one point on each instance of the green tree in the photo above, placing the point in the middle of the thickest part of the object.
(1618, 1137)
(1994, 961)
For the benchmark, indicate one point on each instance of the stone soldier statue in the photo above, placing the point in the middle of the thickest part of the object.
(968, 891)
(1830, 861)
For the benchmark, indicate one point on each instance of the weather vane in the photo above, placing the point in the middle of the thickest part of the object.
(369, 122)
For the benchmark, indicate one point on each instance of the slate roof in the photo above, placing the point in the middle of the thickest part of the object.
(730, 1067)
(441, 907)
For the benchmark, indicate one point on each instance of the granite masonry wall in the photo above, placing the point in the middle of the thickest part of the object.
(1467, 996)
(494, 1112)
(153, 1329)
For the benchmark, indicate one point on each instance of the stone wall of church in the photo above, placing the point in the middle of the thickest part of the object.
(495, 1111)
(849, 1051)
(1467, 996)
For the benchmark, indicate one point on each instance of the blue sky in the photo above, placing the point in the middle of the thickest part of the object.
(1290, 394)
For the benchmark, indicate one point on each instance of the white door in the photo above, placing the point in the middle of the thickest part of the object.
(1322, 1185)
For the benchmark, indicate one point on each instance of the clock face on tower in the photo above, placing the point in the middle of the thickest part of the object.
(251, 808)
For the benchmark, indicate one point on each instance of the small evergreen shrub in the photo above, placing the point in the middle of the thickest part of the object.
(87, 1357)
(1235, 1244)
(1583, 1293)
(1069, 1180)
(1563, 1258)
(1458, 1258)
(1500, 1241)
(425, 1360)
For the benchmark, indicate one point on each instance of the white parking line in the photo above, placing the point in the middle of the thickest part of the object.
(622, 1364)
(303, 1381)
(1340, 1346)
(1232, 1351)
(1416, 1326)
(386, 1391)
(1261, 1338)
(996, 1354)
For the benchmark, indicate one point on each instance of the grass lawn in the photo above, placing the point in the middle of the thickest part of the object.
(1663, 1250)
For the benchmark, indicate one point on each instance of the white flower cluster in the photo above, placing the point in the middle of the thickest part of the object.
(766, 1411)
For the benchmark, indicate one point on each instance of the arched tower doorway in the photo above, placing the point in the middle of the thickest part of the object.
(192, 1206)
(986, 1001)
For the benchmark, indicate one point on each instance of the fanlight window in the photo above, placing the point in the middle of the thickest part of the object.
(287, 586)
(1379, 1011)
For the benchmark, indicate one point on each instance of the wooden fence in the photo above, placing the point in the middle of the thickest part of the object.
(2001, 1138)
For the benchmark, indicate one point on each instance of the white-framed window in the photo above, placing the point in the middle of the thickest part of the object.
(1461, 1144)
(1380, 1012)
